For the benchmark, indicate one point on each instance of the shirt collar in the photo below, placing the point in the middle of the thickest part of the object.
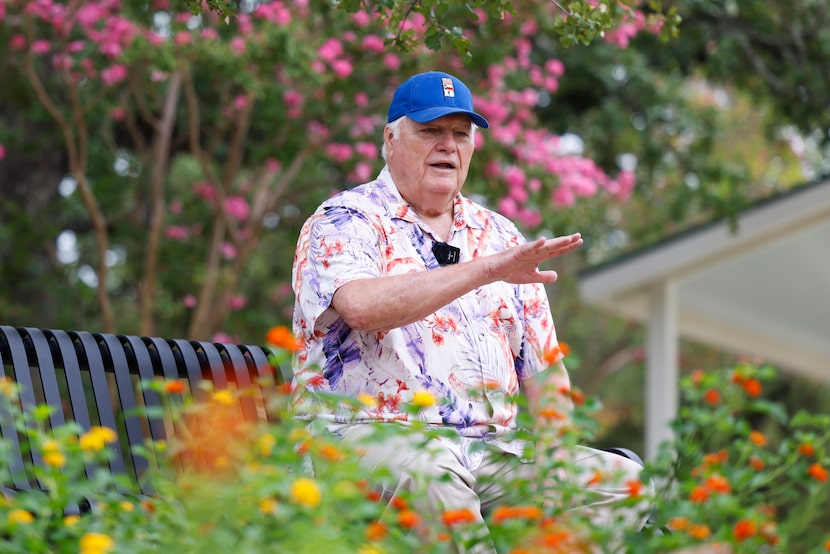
(398, 208)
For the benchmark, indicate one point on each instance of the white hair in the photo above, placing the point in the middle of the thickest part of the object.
(395, 126)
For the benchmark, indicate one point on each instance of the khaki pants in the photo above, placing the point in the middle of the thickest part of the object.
(451, 474)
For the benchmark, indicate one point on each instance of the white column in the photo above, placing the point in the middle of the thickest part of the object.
(661, 365)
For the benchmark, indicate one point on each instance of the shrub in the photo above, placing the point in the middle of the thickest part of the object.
(742, 476)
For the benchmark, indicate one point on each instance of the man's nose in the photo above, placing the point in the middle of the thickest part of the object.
(447, 141)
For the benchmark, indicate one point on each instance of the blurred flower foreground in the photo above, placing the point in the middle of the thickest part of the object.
(741, 476)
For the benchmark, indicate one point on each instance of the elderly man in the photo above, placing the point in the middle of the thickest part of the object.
(405, 287)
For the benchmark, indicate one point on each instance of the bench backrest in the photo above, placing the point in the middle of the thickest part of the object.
(95, 379)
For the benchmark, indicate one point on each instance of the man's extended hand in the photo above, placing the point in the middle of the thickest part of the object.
(520, 264)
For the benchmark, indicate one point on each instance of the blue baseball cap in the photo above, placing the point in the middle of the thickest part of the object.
(427, 96)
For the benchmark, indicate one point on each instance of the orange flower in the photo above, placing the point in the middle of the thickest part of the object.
(596, 478)
(398, 503)
(716, 458)
(827, 545)
(558, 352)
(744, 529)
(282, 337)
(578, 397)
(697, 377)
(678, 523)
(635, 488)
(752, 387)
(504, 513)
(454, 517)
(718, 483)
(758, 438)
(331, 453)
(738, 377)
(408, 519)
(806, 449)
(699, 531)
(712, 396)
(699, 494)
(176, 386)
(375, 531)
(817, 472)
(550, 413)
(756, 463)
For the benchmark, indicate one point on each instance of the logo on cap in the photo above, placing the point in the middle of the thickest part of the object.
(449, 90)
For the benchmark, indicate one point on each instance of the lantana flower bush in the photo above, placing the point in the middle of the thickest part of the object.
(742, 475)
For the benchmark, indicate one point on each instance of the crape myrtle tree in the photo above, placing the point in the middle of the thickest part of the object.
(187, 144)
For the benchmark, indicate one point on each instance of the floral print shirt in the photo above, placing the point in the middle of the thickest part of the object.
(470, 355)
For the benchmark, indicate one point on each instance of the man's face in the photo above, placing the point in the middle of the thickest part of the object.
(430, 160)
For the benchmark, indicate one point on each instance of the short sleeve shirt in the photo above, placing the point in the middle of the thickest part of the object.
(469, 355)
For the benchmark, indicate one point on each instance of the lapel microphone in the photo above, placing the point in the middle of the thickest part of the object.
(445, 254)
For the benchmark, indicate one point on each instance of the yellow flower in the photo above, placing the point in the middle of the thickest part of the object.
(127, 506)
(224, 397)
(54, 458)
(306, 492)
(71, 520)
(95, 543)
(367, 400)
(97, 438)
(20, 516)
(267, 505)
(371, 549)
(423, 399)
(265, 444)
(8, 388)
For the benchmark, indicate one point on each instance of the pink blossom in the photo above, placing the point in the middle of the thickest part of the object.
(209, 34)
(508, 208)
(222, 337)
(361, 173)
(176, 207)
(563, 197)
(113, 74)
(189, 301)
(318, 132)
(238, 46)
(342, 68)
(361, 18)
(529, 217)
(392, 62)
(158, 76)
(62, 62)
(555, 67)
(330, 50)
(205, 190)
(41, 46)
(514, 176)
(2, 151)
(182, 38)
(240, 102)
(237, 208)
(275, 12)
(155, 39)
(75, 46)
(318, 66)
(111, 49)
(177, 232)
(367, 150)
(228, 251)
(244, 24)
(237, 302)
(373, 43)
(361, 99)
(161, 4)
(118, 114)
(339, 152)
(273, 165)
(491, 169)
(529, 28)
(17, 43)
(2, 11)
(535, 184)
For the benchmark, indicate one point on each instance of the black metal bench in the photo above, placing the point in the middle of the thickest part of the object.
(95, 379)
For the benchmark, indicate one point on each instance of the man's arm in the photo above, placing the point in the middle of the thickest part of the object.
(383, 303)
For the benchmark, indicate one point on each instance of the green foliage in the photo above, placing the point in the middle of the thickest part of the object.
(728, 479)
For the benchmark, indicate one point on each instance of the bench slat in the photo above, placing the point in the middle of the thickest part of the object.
(14, 352)
(100, 389)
